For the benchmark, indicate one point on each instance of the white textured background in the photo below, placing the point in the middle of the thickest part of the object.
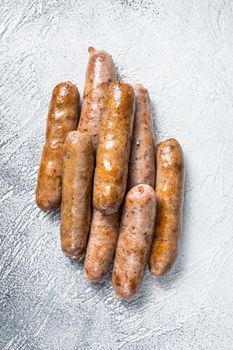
(183, 52)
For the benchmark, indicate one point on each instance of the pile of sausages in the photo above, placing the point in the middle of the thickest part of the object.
(103, 175)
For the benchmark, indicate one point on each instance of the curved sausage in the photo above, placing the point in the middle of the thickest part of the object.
(169, 196)
(62, 118)
(100, 73)
(134, 242)
(101, 245)
(114, 147)
(142, 156)
(78, 163)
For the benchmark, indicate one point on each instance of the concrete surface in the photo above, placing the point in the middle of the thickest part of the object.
(182, 51)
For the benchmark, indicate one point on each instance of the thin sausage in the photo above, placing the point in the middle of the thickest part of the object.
(134, 242)
(101, 245)
(169, 195)
(100, 73)
(114, 147)
(62, 118)
(142, 156)
(78, 163)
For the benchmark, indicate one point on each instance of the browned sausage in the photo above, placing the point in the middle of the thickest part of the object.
(101, 245)
(78, 163)
(62, 118)
(114, 147)
(169, 195)
(142, 156)
(100, 73)
(134, 242)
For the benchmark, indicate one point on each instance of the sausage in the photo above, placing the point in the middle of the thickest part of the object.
(169, 195)
(78, 165)
(114, 147)
(100, 73)
(142, 156)
(62, 118)
(101, 245)
(134, 242)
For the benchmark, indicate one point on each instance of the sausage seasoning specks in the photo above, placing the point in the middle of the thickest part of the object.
(100, 73)
(142, 155)
(78, 163)
(134, 242)
(114, 148)
(101, 245)
(169, 196)
(62, 118)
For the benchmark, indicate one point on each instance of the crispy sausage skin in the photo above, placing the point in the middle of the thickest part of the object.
(169, 196)
(78, 164)
(134, 242)
(62, 118)
(142, 156)
(100, 73)
(101, 245)
(114, 148)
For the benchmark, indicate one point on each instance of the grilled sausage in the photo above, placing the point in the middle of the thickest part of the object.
(78, 163)
(101, 245)
(169, 195)
(114, 147)
(134, 242)
(62, 118)
(100, 73)
(142, 156)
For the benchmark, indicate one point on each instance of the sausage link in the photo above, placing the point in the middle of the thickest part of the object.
(78, 164)
(100, 73)
(134, 242)
(62, 118)
(142, 156)
(169, 195)
(101, 245)
(114, 147)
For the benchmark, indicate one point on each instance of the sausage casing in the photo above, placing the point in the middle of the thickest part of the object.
(78, 163)
(142, 155)
(100, 73)
(134, 242)
(114, 147)
(62, 118)
(101, 245)
(169, 196)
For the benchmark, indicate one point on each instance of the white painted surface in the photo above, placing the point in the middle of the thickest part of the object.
(182, 51)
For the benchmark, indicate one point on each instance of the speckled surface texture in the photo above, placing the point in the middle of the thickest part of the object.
(182, 51)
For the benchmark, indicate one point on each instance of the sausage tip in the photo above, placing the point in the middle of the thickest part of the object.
(138, 86)
(91, 50)
(92, 277)
(124, 296)
(158, 270)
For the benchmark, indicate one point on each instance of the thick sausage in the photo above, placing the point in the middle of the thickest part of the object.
(114, 147)
(142, 156)
(169, 196)
(78, 164)
(134, 242)
(101, 245)
(62, 118)
(100, 73)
